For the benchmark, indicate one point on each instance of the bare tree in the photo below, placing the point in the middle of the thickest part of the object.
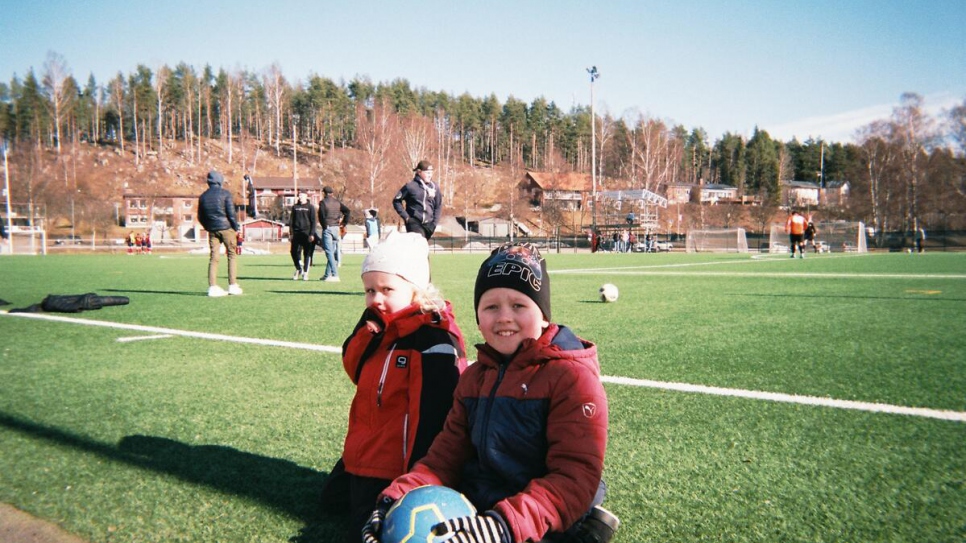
(275, 90)
(374, 135)
(56, 73)
(160, 81)
(117, 93)
(914, 132)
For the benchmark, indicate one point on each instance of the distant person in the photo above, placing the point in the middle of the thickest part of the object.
(240, 238)
(420, 202)
(146, 242)
(216, 213)
(4, 235)
(373, 229)
(795, 228)
(920, 239)
(333, 216)
(404, 357)
(301, 232)
(810, 232)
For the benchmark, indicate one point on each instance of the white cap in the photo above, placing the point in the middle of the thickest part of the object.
(405, 255)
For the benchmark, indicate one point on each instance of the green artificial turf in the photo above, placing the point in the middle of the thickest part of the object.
(138, 435)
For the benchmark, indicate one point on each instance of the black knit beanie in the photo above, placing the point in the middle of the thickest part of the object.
(518, 266)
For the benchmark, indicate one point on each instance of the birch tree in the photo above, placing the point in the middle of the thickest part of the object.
(56, 73)
(374, 135)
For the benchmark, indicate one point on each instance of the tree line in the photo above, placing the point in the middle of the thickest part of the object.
(904, 170)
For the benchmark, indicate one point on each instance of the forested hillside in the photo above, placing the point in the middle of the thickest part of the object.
(160, 129)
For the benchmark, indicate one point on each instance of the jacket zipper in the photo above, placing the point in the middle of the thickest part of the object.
(382, 378)
(489, 407)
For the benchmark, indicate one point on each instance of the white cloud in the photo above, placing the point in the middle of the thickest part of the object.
(841, 127)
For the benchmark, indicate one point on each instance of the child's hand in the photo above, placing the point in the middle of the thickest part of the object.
(373, 327)
(486, 528)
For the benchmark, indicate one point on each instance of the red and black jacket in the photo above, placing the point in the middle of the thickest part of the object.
(405, 376)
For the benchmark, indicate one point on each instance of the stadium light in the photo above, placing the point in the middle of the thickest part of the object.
(594, 74)
(295, 152)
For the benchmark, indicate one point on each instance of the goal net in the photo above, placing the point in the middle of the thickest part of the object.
(833, 236)
(721, 240)
(19, 242)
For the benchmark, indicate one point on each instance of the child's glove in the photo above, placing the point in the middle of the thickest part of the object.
(485, 528)
(373, 526)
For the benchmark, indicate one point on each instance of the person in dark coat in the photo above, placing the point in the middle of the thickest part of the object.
(301, 231)
(420, 202)
(216, 213)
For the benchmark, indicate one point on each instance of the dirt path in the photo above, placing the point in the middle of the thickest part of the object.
(19, 527)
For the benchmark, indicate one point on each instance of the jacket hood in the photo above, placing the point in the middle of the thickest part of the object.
(556, 343)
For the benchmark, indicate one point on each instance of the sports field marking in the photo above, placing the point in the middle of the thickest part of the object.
(184, 333)
(957, 416)
(142, 338)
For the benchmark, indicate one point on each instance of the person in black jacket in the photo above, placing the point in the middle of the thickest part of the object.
(301, 231)
(333, 214)
(216, 213)
(420, 202)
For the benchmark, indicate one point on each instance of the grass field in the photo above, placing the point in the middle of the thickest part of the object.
(172, 421)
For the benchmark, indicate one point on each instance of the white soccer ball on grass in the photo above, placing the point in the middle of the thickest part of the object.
(608, 293)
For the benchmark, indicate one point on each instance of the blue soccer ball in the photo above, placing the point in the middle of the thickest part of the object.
(413, 516)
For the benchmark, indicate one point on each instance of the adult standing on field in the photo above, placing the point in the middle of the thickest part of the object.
(920, 239)
(795, 228)
(216, 213)
(301, 231)
(420, 202)
(333, 214)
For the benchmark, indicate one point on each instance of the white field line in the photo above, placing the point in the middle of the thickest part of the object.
(184, 333)
(958, 416)
(681, 387)
(142, 338)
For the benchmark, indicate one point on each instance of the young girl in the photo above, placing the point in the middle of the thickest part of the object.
(405, 356)
(526, 437)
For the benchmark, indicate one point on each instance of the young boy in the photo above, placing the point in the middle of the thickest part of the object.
(526, 436)
(405, 357)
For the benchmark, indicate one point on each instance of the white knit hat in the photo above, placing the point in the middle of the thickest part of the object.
(405, 255)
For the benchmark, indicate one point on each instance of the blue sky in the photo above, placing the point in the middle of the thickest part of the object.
(796, 69)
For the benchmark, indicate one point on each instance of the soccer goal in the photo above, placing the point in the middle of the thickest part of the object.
(836, 236)
(30, 242)
(721, 240)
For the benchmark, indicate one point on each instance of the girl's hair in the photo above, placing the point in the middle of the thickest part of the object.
(429, 299)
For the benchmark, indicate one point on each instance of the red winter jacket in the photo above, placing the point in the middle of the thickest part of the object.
(526, 437)
(404, 377)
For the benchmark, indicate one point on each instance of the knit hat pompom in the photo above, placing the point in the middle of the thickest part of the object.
(405, 255)
(518, 266)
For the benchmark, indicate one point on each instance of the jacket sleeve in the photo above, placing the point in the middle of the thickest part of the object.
(576, 443)
(437, 205)
(397, 202)
(345, 213)
(440, 363)
(230, 211)
(450, 450)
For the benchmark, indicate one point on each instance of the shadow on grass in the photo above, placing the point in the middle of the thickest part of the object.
(325, 292)
(280, 484)
(912, 297)
(175, 292)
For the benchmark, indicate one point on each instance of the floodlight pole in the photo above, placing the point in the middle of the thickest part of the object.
(295, 152)
(594, 74)
(6, 192)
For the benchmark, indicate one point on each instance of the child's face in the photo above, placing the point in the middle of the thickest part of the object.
(387, 292)
(507, 317)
